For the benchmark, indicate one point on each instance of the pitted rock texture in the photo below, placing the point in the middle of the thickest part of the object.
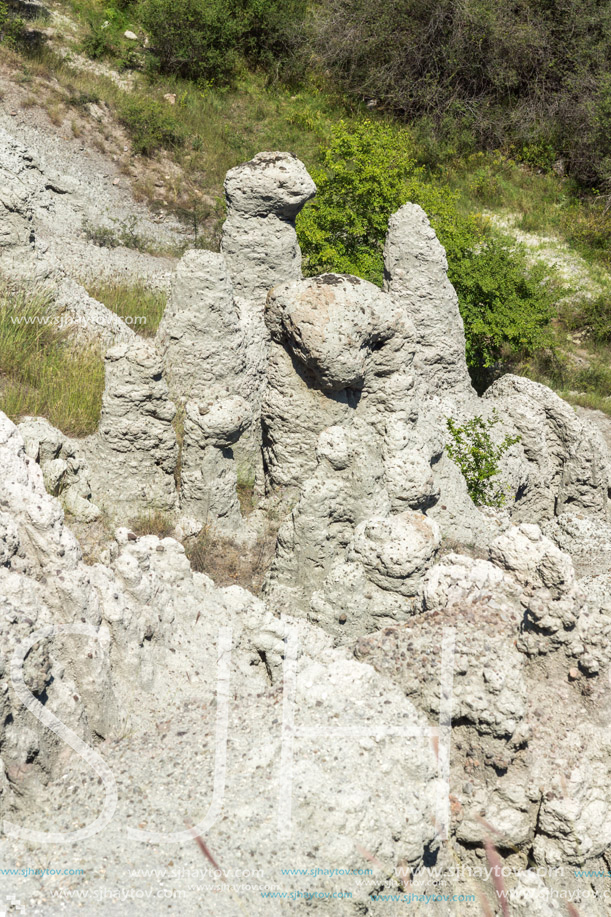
(259, 241)
(64, 469)
(133, 455)
(337, 395)
(563, 462)
(152, 660)
(523, 773)
(208, 470)
(416, 279)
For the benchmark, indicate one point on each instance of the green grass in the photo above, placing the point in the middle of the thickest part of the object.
(41, 372)
(543, 202)
(139, 306)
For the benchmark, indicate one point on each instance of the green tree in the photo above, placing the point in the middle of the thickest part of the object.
(207, 39)
(367, 171)
(532, 73)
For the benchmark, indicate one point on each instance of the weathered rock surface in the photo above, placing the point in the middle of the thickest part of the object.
(393, 604)
(208, 470)
(562, 463)
(64, 469)
(416, 278)
(154, 624)
(133, 455)
(42, 215)
(259, 241)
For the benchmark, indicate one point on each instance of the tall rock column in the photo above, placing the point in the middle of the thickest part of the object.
(213, 339)
(133, 455)
(259, 240)
(416, 272)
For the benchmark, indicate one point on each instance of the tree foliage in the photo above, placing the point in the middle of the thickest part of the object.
(366, 173)
(206, 40)
(533, 73)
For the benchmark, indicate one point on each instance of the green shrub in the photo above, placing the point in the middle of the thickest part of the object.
(471, 447)
(367, 172)
(533, 73)
(594, 316)
(12, 28)
(205, 40)
(151, 124)
(505, 305)
(195, 39)
(99, 41)
(106, 26)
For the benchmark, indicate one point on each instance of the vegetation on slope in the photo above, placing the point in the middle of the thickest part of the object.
(535, 74)
(41, 371)
(139, 306)
(477, 152)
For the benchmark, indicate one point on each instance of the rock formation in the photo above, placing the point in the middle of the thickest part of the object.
(133, 455)
(393, 604)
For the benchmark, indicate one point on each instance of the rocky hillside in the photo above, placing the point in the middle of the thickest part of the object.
(410, 700)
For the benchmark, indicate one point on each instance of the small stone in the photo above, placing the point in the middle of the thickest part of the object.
(131, 36)
(573, 674)
(343, 618)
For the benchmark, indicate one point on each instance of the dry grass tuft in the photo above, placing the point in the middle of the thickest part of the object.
(229, 563)
(152, 522)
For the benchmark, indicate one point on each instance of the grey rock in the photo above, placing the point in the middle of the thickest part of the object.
(416, 279)
(64, 468)
(562, 464)
(208, 470)
(133, 455)
(259, 241)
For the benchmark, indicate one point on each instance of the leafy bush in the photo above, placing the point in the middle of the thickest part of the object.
(151, 124)
(12, 28)
(593, 314)
(205, 40)
(535, 73)
(505, 305)
(99, 41)
(367, 172)
(471, 447)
